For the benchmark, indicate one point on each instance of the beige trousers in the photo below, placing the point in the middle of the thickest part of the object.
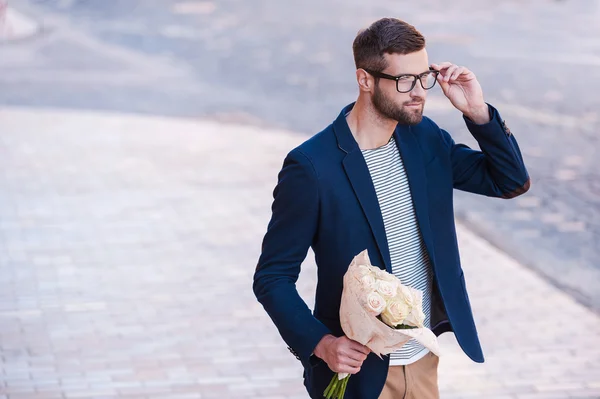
(418, 380)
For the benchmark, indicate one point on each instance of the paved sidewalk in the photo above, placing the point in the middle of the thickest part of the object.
(127, 248)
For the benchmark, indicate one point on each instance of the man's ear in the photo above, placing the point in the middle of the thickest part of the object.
(365, 81)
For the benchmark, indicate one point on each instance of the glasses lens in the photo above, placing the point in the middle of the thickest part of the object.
(405, 84)
(428, 80)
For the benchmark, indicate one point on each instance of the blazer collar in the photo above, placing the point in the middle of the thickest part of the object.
(345, 139)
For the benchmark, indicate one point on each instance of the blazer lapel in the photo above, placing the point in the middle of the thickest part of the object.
(360, 178)
(412, 158)
(358, 173)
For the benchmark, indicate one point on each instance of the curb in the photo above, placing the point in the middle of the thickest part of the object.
(14, 25)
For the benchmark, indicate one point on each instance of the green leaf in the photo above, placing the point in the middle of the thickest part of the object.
(399, 326)
(404, 327)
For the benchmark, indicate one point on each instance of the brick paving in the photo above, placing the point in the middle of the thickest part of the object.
(127, 248)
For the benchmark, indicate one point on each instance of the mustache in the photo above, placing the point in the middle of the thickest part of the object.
(415, 101)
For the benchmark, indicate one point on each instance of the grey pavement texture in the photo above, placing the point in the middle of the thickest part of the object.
(127, 249)
(289, 65)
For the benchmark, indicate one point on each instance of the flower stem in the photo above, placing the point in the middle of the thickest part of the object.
(336, 388)
(331, 388)
(343, 388)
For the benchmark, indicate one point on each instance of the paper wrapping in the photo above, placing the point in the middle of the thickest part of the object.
(362, 326)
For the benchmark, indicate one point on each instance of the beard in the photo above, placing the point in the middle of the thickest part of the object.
(388, 109)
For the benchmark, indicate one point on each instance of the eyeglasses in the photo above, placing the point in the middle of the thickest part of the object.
(406, 82)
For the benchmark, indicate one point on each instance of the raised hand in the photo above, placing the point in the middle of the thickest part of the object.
(463, 90)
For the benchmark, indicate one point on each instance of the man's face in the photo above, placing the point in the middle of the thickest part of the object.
(406, 108)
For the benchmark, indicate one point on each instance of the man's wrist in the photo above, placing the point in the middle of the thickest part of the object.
(480, 115)
(318, 352)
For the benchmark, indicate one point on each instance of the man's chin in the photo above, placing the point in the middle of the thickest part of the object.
(415, 119)
(403, 117)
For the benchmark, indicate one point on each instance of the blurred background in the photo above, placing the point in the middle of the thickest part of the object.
(139, 145)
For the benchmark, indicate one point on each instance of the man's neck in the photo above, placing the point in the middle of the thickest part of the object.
(369, 129)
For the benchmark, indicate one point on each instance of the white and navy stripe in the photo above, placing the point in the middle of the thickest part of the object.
(410, 262)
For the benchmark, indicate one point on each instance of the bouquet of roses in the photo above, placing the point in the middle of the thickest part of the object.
(380, 313)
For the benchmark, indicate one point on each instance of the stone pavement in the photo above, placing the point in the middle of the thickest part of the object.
(127, 249)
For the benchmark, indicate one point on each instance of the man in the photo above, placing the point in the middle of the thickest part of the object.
(380, 177)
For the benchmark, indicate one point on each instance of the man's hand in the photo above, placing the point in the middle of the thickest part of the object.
(342, 355)
(463, 90)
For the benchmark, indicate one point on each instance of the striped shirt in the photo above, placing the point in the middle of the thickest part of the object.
(410, 262)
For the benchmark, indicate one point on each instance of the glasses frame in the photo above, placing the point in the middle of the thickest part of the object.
(397, 78)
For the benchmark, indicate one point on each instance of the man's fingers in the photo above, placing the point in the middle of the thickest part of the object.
(364, 350)
(360, 348)
(351, 344)
(442, 66)
(459, 71)
(348, 361)
(449, 72)
(356, 355)
(444, 85)
(341, 360)
(349, 357)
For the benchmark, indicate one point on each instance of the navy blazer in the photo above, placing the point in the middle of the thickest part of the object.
(325, 199)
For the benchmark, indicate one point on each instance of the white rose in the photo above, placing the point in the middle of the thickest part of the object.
(395, 312)
(419, 317)
(387, 288)
(383, 275)
(375, 303)
(405, 294)
(416, 318)
(368, 281)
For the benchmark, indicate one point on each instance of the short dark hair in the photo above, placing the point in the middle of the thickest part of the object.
(387, 35)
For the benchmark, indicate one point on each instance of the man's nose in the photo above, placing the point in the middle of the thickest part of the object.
(418, 90)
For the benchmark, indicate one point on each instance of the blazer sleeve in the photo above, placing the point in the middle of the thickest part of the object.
(498, 169)
(289, 235)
